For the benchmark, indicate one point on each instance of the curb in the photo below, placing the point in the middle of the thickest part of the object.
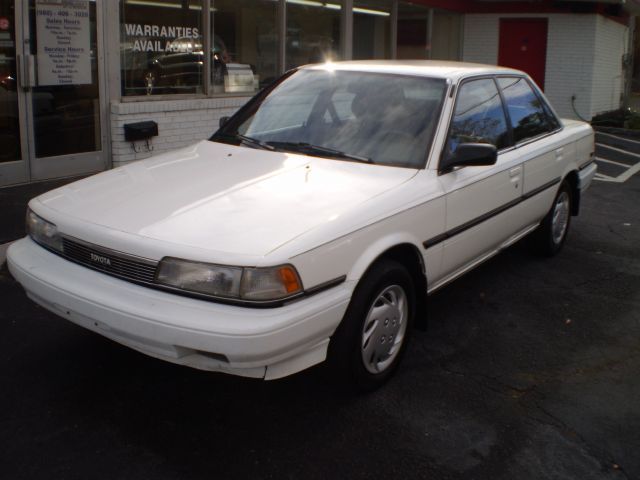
(617, 131)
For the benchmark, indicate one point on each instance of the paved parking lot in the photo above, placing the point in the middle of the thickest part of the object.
(529, 370)
(618, 157)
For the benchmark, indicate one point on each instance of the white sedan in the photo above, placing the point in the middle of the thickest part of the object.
(314, 222)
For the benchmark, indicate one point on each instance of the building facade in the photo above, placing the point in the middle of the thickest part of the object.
(78, 76)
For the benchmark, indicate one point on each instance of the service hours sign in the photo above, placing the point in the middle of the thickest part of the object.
(64, 49)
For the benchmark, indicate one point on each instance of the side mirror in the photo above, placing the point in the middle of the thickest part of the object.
(469, 155)
(223, 121)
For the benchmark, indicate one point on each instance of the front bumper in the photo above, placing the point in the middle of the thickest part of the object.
(262, 343)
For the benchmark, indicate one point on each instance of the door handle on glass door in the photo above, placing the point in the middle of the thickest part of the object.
(26, 71)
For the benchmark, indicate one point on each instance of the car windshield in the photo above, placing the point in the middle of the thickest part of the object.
(384, 119)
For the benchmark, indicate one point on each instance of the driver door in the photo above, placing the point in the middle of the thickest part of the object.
(481, 202)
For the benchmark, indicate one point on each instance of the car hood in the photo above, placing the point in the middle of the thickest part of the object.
(224, 198)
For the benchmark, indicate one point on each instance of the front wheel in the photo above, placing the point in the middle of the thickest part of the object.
(369, 344)
(549, 238)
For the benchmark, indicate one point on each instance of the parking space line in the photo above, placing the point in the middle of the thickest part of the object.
(620, 150)
(618, 138)
(629, 170)
(629, 173)
(623, 177)
(600, 159)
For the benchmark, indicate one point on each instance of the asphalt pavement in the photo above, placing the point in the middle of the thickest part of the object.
(529, 370)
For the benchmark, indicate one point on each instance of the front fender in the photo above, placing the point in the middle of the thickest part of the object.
(378, 248)
(352, 254)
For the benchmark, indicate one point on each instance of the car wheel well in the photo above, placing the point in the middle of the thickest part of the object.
(572, 180)
(409, 256)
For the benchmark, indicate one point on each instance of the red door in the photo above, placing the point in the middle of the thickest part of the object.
(523, 45)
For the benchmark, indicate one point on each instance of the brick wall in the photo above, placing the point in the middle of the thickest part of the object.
(480, 40)
(583, 58)
(180, 123)
(569, 70)
(608, 77)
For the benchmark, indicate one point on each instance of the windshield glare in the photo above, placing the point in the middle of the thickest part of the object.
(388, 119)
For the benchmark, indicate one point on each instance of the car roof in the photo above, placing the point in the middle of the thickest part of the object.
(427, 68)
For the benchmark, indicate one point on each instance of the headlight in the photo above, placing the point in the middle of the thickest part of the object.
(43, 232)
(270, 283)
(251, 284)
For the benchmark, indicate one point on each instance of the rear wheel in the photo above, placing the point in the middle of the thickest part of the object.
(549, 238)
(372, 338)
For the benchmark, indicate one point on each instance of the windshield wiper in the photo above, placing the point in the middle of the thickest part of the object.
(243, 138)
(254, 141)
(318, 150)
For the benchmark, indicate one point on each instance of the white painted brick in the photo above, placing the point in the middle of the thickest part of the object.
(180, 123)
(584, 54)
(481, 39)
(611, 45)
(569, 69)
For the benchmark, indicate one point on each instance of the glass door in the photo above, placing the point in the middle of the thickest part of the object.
(13, 148)
(58, 93)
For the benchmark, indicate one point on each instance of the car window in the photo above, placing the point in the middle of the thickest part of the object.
(479, 116)
(341, 102)
(526, 110)
(388, 119)
(283, 113)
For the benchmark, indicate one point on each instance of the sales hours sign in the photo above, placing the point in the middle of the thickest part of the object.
(64, 49)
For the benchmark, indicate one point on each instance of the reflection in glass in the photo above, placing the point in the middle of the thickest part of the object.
(244, 39)
(9, 123)
(479, 116)
(315, 110)
(313, 32)
(161, 47)
(528, 116)
(371, 29)
(66, 118)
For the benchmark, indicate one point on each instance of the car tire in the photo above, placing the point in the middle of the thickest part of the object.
(550, 236)
(370, 342)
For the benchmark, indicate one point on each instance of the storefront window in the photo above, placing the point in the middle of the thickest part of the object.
(244, 42)
(161, 47)
(371, 30)
(313, 32)
(413, 32)
(9, 125)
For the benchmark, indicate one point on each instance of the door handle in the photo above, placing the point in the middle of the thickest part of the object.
(514, 172)
(26, 71)
(559, 153)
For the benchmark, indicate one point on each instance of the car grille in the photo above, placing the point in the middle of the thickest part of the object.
(114, 263)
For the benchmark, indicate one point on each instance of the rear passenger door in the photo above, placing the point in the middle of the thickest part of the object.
(481, 202)
(542, 153)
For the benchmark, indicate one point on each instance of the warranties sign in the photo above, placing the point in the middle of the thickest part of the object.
(159, 38)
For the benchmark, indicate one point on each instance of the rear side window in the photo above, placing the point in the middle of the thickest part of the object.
(479, 116)
(529, 117)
